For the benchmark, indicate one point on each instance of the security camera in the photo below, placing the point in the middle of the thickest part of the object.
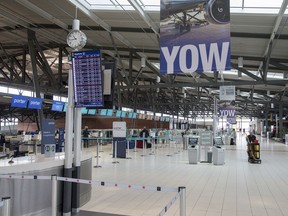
(218, 11)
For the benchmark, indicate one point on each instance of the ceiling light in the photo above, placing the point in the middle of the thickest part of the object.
(158, 79)
(239, 74)
(240, 62)
(143, 62)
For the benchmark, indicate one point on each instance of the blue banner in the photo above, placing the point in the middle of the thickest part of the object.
(35, 103)
(194, 36)
(19, 101)
(57, 106)
(47, 133)
(230, 112)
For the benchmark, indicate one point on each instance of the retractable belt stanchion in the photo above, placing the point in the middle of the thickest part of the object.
(169, 147)
(143, 147)
(101, 146)
(128, 149)
(97, 156)
(6, 206)
(115, 153)
(54, 196)
(182, 191)
(176, 140)
(135, 147)
(153, 146)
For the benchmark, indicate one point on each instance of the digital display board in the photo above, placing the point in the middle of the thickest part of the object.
(57, 106)
(91, 112)
(88, 79)
(84, 110)
(19, 101)
(123, 114)
(103, 112)
(110, 112)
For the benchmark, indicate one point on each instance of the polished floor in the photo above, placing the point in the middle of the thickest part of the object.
(236, 188)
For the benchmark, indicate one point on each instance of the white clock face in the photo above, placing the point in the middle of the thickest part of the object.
(76, 39)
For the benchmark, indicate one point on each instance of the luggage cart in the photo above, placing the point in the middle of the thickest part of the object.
(253, 151)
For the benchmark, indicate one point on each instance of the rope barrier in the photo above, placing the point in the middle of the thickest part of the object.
(93, 182)
(172, 201)
(106, 184)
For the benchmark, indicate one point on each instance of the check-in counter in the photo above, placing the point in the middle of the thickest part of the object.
(33, 197)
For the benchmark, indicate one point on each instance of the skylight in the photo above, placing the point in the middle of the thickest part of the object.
(237, 6)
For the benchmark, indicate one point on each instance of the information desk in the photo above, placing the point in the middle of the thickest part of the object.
(34, 196)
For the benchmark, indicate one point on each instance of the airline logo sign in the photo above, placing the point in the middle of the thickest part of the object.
(19, 101)
(230, 112)
(35, 103)
(197, 44)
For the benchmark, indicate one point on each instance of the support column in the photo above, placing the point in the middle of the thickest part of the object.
(32, 52)
(281, 131)
(67, 191)
(77, 159)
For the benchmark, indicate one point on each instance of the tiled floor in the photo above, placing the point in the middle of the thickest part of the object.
(236, 188)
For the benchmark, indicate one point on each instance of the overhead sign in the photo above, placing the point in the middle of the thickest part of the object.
(19, 101)
(227, 93)
(193, 42)
(35, 103)
(230, 112)
(57, 106)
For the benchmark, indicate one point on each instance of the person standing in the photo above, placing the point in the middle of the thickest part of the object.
(145, 134)
(85, 135)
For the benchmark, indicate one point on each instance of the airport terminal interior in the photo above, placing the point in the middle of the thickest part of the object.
(130, 107)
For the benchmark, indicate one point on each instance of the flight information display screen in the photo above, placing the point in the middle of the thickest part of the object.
(88, 79)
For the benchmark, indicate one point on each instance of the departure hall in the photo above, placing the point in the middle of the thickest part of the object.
(143, 108)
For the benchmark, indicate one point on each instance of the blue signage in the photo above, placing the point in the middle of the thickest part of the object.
(19, 101)
(47, 133)
(57, 106)
(35, 103)
(191, 42)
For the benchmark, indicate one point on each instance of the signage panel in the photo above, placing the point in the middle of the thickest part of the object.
(47, 135)
(230, 112)
(227, 93)
(119, 129)
(35, 103)
(193, 41)
(57, 106)
(19, 101)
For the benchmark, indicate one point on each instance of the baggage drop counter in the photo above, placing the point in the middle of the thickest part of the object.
(33, 197)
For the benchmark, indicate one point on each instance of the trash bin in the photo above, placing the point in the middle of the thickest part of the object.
(185, 142)
(193, 154)
(218, 155)
(209, 156)
(286, 139)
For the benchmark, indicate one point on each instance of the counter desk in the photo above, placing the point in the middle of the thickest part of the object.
(33, 197)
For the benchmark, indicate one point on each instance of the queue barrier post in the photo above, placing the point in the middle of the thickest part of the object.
(115, 152)
(54, 196)
(6, 206)
(182, 191)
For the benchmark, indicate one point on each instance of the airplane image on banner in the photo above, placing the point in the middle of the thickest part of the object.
(215, 12)
(194, 36)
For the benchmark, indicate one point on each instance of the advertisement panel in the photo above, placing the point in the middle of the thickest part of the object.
(194, 36)
(230, 112)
